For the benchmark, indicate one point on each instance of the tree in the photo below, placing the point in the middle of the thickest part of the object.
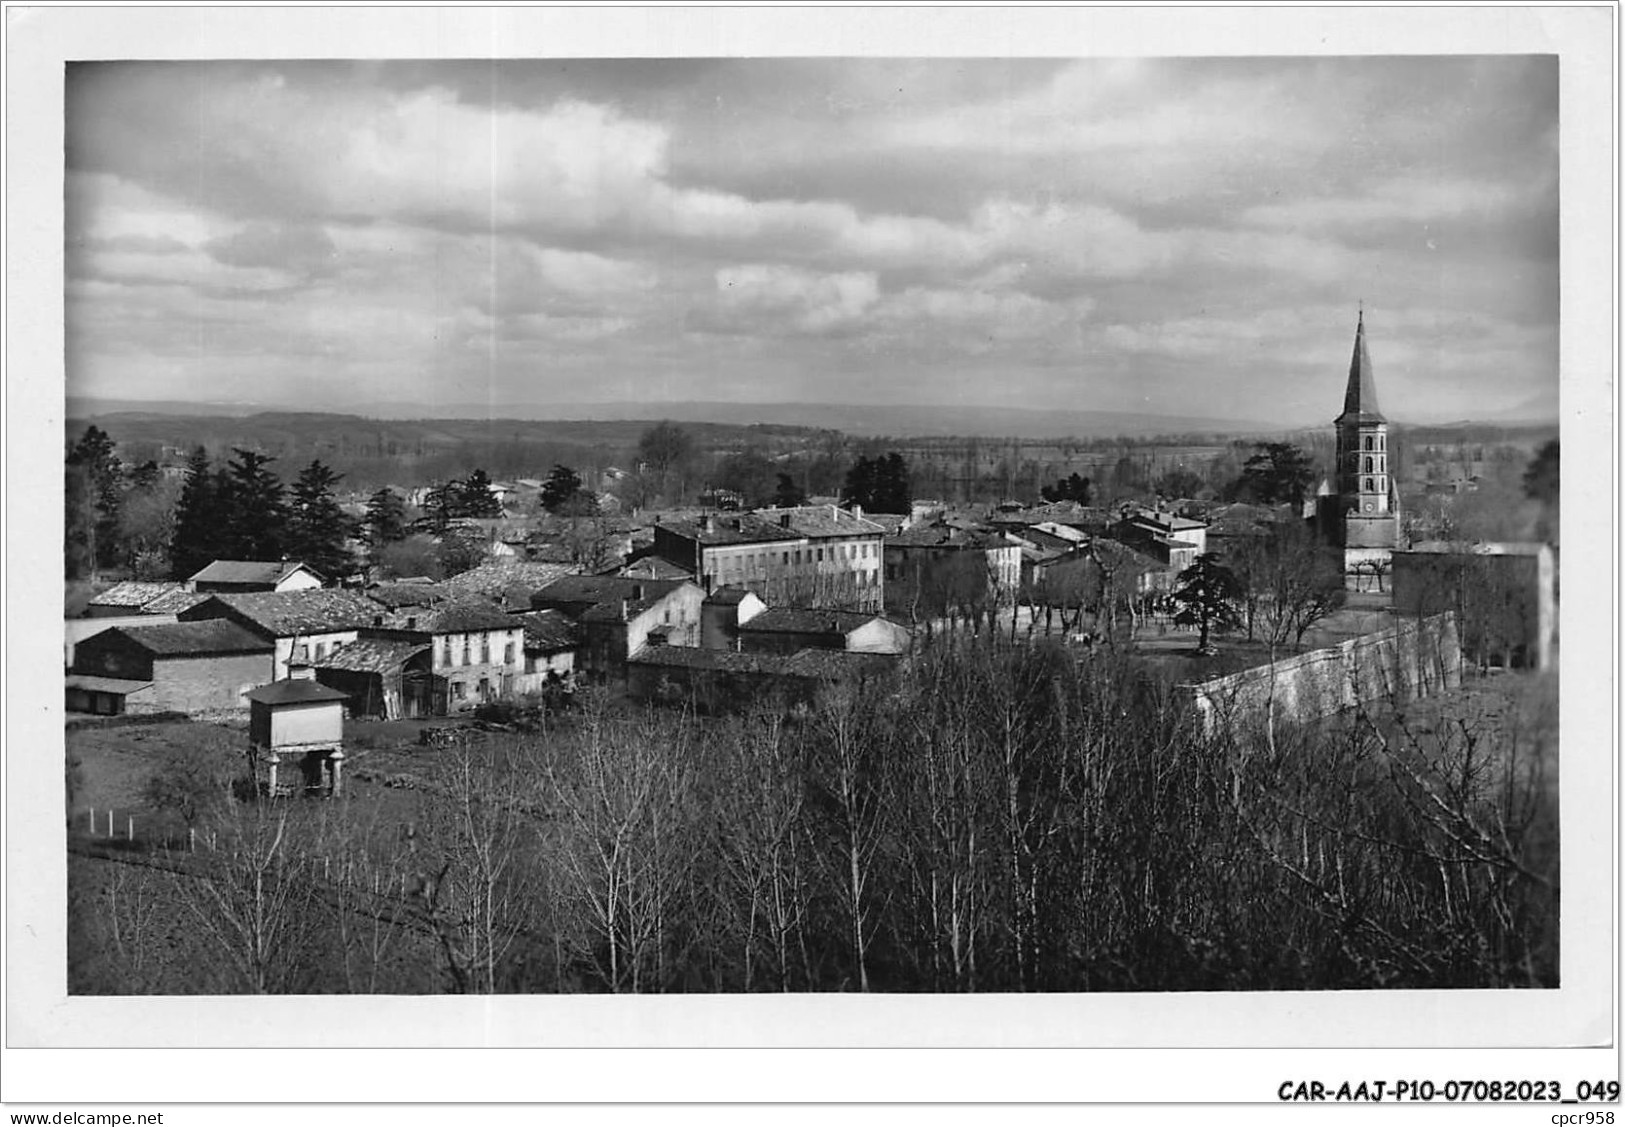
(318, 530)
(256, 512)
(95, 493)
(1289, 581)
(563, 494)
(411, 556)
(1541, 482)
(475, 497)
(880, 485)
(1070, 488)
(1180, 482)
(199, 536)
(665, 448)
(748, 473)
(1207, 595)
(147, 527)
(1280, 473)
(666, 454)
(787, 494)
(442, 506)
(386, 518)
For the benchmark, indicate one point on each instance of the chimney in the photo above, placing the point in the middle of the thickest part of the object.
(707, 524)
(626, 610)
(857, 511)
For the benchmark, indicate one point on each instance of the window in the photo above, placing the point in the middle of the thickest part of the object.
(820, 555)
(467, 651)
(321, 650)
(1369, 487)
(507, 654)
(485, 649)
(1368, 465)
(457, 690)
(787, 557)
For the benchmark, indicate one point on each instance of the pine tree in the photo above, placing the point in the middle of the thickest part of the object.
(199, 537)
(788, 494)
(475, 498)
(256, 512)
(386, 518)
(1208, 595)
(563, 494)
(317, 527)
(95, 493)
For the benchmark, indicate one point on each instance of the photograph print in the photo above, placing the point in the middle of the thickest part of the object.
(812, 525)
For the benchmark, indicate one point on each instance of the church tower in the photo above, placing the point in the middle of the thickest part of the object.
(1365, 490)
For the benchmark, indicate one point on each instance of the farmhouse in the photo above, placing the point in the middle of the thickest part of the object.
(305, 626)
(384, 678)
(243, 576)
(475, 648)
(787, 630)
(179, 667)
(619, 617)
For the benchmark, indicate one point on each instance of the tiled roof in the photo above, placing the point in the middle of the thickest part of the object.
(547, 630)
(283, 614)
(653, 567)
(450, 618)
(213, 636)
(294, 691)
(796, 620)
(812, 522)
(727, 596)
(499, 576)
(839, 665)
(249, 571)
(131, 593)
(394, 595)
(173, 602)
(588, 590)
(91, 683)
(371, 655)
(943, 536)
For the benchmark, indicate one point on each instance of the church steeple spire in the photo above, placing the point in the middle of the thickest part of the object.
(1360, 400)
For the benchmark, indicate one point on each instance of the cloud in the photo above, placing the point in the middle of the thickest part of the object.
(809, 302)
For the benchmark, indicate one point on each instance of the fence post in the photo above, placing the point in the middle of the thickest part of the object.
(110, 823)
(191, 839)
(90, 816)
(129, 828)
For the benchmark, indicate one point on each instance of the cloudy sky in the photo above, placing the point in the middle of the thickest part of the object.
(1178, 236)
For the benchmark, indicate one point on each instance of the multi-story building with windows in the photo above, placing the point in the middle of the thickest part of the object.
(810, 555)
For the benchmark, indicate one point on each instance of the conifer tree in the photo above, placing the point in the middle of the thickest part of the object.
(386, 518)
(475, 498)
(95, 492)
(317, 527)
(199, 537)
(256, 511)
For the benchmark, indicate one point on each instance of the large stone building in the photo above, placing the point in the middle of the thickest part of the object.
(810, 555)
(1362, 515)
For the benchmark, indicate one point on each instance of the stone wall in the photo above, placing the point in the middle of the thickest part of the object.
(1410, 659)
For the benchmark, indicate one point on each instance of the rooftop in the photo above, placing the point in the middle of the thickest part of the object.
(547, 630)
(371, 655)
(213, 636)
(131, 593)
(287, 613)
(797, 620)
(250, 571)
(300, 690)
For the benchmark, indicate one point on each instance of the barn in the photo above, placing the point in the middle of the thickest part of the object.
(184, 666)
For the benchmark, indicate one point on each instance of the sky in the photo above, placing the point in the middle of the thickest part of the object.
(1179, 236)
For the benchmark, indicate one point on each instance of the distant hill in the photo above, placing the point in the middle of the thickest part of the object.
(902, 420)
